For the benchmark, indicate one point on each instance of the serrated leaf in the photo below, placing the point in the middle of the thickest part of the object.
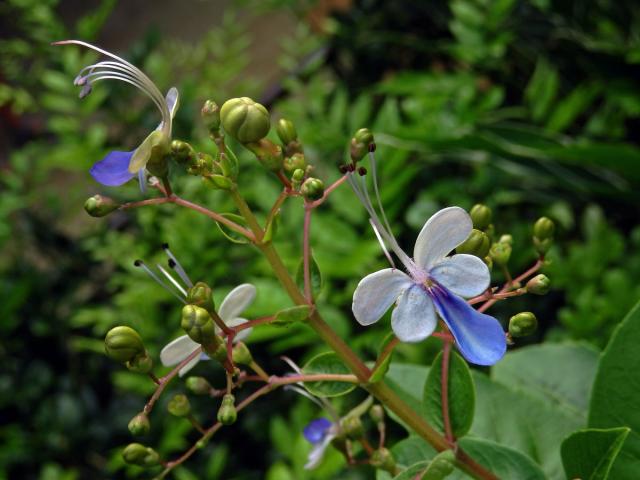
(328, 362)
(589, 454)
(316, 276)
(461, 395)
(231, 235)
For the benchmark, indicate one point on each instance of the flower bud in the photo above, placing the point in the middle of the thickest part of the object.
(480, 216)
(376, 412)
(294, 162)
(179, 405)
(544, 228)
(286, 131)
(211, 115)
(477, 244)
(268, 154)
(227, 413)
(296, 178)
(99, 206)
(542, 246)
(383, 459)
(123, 344)
(507, 238)
(352, 427)
(312, 189)
(199, 164)
(522, 324)
(139, 425)
(218, 181)
(539, 285)
(141, 363)
(198, 385)
(137, 454)
(201, 295)
(198, 324)
(241, 354)
(360, 144)
(182, 151)
(364, 136)
(500, 253)
(244, 119)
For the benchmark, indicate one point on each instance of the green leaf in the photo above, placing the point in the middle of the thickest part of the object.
(413, 472)
(559, 373)
(461, 393)
(299, 313)
(589, 454)
(408, 382)
(380, 370)
(316, 276)
(327, 362)
(232, 235)
(440, 467)
(615, 396)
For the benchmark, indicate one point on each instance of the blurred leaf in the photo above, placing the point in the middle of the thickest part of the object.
(589, 454)
(327, 363)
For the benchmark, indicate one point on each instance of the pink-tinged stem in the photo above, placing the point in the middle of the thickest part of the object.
(306, 254)
(253, 323)
(509, 285)
(444, 389)
(328, 191)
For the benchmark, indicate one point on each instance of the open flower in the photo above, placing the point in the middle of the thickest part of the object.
(230, 310)
(118, 167)
(319, 432)
(433, 285)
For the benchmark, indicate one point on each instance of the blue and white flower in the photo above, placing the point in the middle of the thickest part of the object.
(434, 284)
(118, 167)
(319, 432)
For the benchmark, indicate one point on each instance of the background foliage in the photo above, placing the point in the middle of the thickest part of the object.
(529, 106)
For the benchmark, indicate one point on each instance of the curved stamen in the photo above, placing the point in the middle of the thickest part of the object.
(152, 274)
(175, 264)
(172, 280)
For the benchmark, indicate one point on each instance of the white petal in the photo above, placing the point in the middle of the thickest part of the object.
(317, 453)
(236, 301)
(177, 350)
(462, 274)
(192, 363)
(414, 319)
(376, 293)
(173, 101)
(243, 333)
(443, 232)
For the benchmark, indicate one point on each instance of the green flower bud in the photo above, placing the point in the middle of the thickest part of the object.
(179, 405)
(198, 324)
(268, 154)
(227, 413)
(241, 354)
(312, 189)
(364, 136)
(226, 166)
(244, 119)
(507, 238)
(99, 206)
(360, 144)
(139, 425)
(199, 164)
(218, 181)
(477, 244)
(141, 363)
(352, 427)
(182, 151)
(542, 246)
(539, 285)
(544, 228)
(376, 412)
(211, 115)
(480, 216)
(137, 454)
(294, 162)
(488, 261)
(297, 177)
(383, 459)
(201, 295)
(123, 344)
(198, 385)
(286, 131)
(522, 324)
(500, 253)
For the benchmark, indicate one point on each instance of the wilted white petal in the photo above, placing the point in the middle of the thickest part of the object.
(317, 452)
(376, 293)
(443, 232)
(177, 350)
(236, 301)
(414, 319)
(462, 274)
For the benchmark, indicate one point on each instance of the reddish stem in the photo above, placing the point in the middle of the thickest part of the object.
(328, 191)
(508, 286)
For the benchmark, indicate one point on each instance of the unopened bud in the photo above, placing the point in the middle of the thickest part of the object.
(312, 189)
(244, 119)
(140, 364)
(99, 206)
(539, 285)
(198, 385)
(179, 405)
(198, 324)
(241, 354)
(182, 151)
(286, 131)
(376, 412)
(480, 216)
(522, 324)
(360, 144)
(500, 253)
(294, 162)
(507, 238)
(138, 454)
(123, 344)
(201, 295)
(297, 177)
(268, 154)
(139, 425)
(383, 459)
(352, 427)
(477, 244)
(211, 115)
(227, 413)
(544, 228)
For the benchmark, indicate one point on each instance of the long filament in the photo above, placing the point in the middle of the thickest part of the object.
(151, 273)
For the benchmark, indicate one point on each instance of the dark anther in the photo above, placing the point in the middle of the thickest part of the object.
(165, 246)
(362, 171)
(352, 167)
(172, 263)
(137, 263)
(343, 169)
(372, 147)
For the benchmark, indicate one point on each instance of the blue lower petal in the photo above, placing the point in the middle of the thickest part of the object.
(479, 337)
(316, 430)
(113, 170)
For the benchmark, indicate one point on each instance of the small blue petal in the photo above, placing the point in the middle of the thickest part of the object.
(113, 170)
(204, 356)
(479, 337)
(142, 180)
(316, 430)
